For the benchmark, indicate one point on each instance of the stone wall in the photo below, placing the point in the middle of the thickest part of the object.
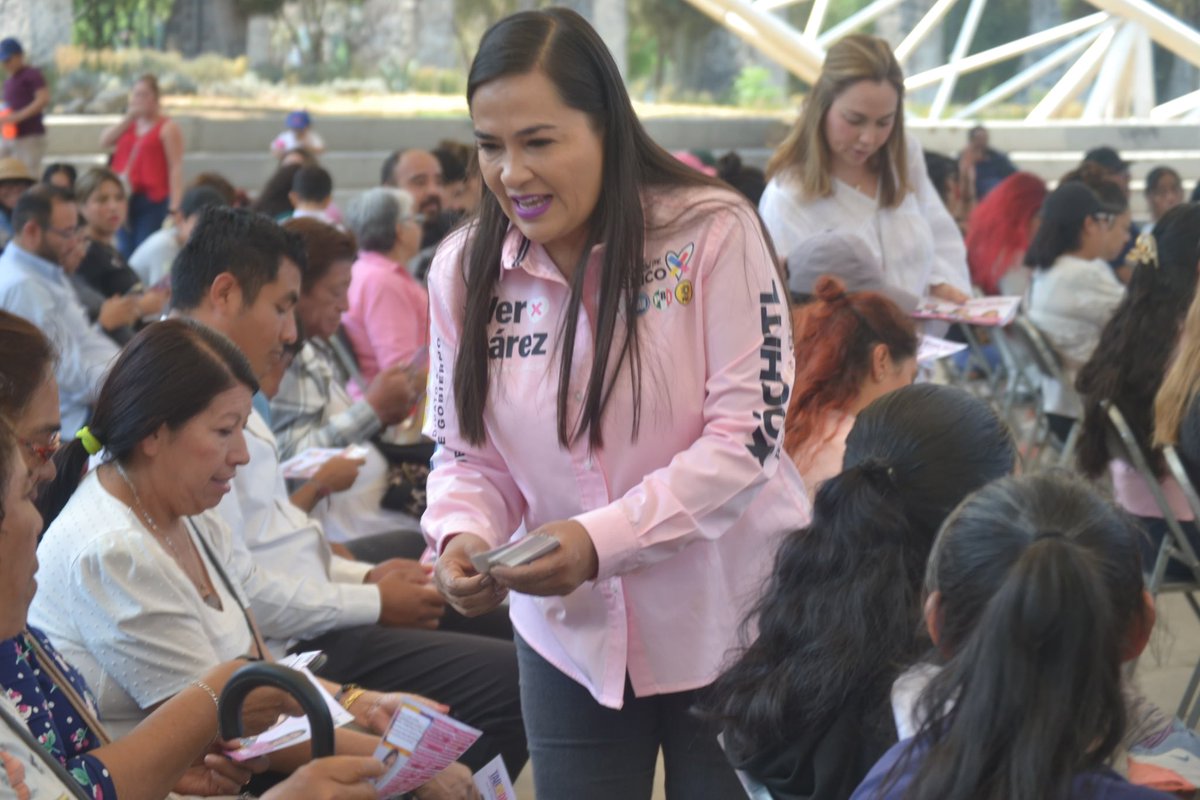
(41, 25)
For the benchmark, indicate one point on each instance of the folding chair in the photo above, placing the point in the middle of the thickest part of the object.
(1180, 474)
(1033, 353)
(1175, 545)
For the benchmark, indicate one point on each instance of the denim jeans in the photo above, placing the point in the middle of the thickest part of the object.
(145, 217)
(582, 750)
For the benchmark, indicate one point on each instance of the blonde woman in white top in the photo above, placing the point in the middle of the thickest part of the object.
(847, 165)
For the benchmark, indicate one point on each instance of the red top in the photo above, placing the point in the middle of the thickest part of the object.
(146, 160)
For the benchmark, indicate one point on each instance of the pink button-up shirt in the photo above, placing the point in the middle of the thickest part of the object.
(685, 517)
(388, 319)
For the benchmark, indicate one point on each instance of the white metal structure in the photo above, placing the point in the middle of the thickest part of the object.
(1111, 69)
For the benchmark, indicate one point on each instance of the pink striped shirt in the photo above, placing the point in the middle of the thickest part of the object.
(388, 319)
(686, 517)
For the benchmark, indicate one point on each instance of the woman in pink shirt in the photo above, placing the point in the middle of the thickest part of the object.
(610, 366)
(388, 319)
(856, 347)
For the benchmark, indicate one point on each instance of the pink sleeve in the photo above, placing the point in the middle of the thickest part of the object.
(704, 489)
(396, 320)
(469, 489)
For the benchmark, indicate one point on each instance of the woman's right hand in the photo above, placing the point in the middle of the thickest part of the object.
(338, 473)
(464, 588)
(118, 312)
(333, 778)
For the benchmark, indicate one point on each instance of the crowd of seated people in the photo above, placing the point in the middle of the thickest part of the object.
(782, 551)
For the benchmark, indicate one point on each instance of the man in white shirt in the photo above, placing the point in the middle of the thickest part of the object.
(48, 244)
(240, 274)
(153, 257)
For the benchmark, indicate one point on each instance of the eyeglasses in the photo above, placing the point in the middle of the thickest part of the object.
(67, 233)
(1105, 218)
(43, 452)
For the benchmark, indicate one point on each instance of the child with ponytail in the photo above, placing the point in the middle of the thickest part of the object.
(805, 708)
(1035, 596)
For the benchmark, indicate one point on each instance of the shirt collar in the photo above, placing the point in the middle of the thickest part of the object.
(35, 262)
(373, 260)
(518, 252)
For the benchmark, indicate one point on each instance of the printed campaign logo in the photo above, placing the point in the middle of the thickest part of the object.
(683, 292)
(677, 263)
(538, 308)
(643, 303)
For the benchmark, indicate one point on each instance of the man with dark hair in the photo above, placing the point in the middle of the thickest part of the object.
(153, 258)
(312, 192)
(48, 244)
(419, 173)
(980, 167)
(241, 275)
(26, 95)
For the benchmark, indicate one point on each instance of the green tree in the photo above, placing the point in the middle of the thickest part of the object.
(306, 21)
(101, 24)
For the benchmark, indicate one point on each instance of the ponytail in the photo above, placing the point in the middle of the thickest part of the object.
(836, 620)
(1040, 587)
(70, 463)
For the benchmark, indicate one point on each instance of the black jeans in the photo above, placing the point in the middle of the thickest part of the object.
(584, 751)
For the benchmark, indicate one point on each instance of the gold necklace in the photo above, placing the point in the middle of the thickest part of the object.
(206, 589)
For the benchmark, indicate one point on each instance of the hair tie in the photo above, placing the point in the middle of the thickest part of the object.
(875, 467)
(1145, 251)
(90, 443)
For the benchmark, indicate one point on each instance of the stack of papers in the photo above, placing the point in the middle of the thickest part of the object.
(987, 311)
(419, 744)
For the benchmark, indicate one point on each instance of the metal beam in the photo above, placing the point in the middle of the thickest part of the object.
(1071, 84)
(874, 10)
(1104, 98)
(995, 55)
(1167, 30)
(922, 29)
(816, 18)
(769, 33)
(966, 34)
(1031, 74)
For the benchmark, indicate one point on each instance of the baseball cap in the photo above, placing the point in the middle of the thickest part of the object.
(846, 256)
(10, 47)
(1108, 158)
(298, 120)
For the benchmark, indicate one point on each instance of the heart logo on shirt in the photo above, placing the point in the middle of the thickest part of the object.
(538, 308)
(678, 262)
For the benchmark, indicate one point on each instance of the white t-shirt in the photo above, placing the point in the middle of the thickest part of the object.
(288, 140)
(918, 242)
(153, 258)
(1070, 303)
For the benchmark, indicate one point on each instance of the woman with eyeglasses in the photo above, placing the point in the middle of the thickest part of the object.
(1074, 291)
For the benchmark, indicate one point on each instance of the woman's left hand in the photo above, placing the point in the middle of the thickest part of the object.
(944, 291)
(559, 572)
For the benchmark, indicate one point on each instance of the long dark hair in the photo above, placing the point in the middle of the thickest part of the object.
(1041, 586)
(571, 54)
(840, 615)
(1130, 360)
(166, 375)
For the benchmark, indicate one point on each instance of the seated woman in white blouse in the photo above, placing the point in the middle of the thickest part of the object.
(1074, 291)
(143, 587)
(847, 165)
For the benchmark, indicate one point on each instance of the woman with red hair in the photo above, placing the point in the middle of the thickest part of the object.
(857, 347)
(999, 232)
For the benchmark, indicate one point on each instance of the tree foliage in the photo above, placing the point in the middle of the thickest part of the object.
(101, 24)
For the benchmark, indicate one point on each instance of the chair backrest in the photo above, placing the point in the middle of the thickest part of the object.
(1034, 349)
(1179, 546)
(1180, 474)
